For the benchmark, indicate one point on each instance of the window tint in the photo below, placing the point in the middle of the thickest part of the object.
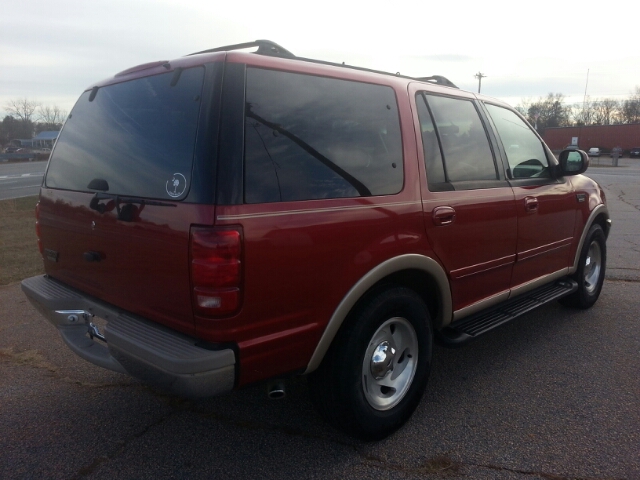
(525, 153)
(430, 145)
(467, 154)
(310, 137)
(138, 136)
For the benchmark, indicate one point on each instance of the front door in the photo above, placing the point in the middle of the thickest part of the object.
(546, 206)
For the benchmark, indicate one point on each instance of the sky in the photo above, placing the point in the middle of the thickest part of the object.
(51, 51)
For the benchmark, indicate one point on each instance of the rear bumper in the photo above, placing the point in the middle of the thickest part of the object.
(155, 354)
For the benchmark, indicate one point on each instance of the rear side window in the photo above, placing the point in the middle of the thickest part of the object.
(430, 145)
(309, 137)
(465, 145)
(137, 136)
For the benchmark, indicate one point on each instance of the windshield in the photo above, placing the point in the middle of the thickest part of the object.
(133, 138)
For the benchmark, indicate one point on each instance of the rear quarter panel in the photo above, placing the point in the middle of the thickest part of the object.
(302, 258)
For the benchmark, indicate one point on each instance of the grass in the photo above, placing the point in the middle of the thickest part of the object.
(19, 256)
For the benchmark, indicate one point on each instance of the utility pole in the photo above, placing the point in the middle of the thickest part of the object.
(479, 76)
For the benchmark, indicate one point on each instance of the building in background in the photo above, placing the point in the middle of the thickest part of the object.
(605, 137)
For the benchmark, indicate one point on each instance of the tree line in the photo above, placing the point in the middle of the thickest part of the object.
(553, 111)
(27, 118)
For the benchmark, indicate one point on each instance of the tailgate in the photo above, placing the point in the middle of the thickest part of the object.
(141, 266)
(119, 195)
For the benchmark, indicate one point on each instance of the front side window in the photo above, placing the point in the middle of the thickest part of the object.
(465, 146)
(525, 153)
(310, 137)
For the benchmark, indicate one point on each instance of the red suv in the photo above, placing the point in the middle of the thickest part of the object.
(235, 217)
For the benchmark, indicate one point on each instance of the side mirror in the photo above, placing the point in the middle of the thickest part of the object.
(573, 162)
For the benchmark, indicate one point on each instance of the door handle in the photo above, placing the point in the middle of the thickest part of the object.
(530, 204)
(443, 215)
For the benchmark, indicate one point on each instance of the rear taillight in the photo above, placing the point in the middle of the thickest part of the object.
(38, 233)
(216, 270)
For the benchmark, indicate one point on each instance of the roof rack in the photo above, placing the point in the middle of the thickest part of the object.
(272, 49)
(265, 47)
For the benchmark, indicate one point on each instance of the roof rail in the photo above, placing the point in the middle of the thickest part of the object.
(267, 47)
(438, 80)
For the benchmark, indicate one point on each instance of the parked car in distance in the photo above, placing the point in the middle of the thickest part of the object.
(572, 147)
(634, 152)
(238, 217)
(616, 151)
(594, 152)
(42, 151)
(11, 149)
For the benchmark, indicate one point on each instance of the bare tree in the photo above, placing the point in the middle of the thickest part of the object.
(548, 111)
(51, 115)
(11, 128)
(551, 111)
(605, 111)
(523, 106)
(22, 108)
(631, 108)
(583, 113)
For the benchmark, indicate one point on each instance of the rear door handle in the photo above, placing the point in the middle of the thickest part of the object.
(443, 215)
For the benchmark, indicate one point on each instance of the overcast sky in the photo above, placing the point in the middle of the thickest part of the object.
(50, 51)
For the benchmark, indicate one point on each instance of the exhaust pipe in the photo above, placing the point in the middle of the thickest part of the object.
(276, 391)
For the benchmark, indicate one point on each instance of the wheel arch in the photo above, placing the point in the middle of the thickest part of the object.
(422, 274)
(600, 216)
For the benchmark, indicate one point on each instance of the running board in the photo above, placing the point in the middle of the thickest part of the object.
(469, 328)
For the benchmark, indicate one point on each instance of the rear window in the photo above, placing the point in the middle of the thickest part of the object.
(465, 146)
(137, 136)
(309, 137)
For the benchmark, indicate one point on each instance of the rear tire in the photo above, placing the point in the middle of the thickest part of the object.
(591, 269)
(374, 374)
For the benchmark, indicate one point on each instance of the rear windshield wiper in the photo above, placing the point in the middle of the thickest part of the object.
(128, 212)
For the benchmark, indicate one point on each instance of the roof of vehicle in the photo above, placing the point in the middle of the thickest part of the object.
(272, 49)
(265, 48)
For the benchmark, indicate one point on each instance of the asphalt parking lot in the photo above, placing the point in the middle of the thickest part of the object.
(554, 395)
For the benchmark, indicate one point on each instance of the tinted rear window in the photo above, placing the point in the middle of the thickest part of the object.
(138, 136)
(309, 137)
(467, 153)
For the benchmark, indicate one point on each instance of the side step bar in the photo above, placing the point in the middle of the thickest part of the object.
(469, 328)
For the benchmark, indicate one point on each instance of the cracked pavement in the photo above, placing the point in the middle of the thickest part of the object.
(554, 395)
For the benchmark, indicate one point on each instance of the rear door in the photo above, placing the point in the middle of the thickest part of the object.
(469, 208)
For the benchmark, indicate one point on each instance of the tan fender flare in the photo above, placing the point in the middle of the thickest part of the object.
(391, 266)
(599, 210)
